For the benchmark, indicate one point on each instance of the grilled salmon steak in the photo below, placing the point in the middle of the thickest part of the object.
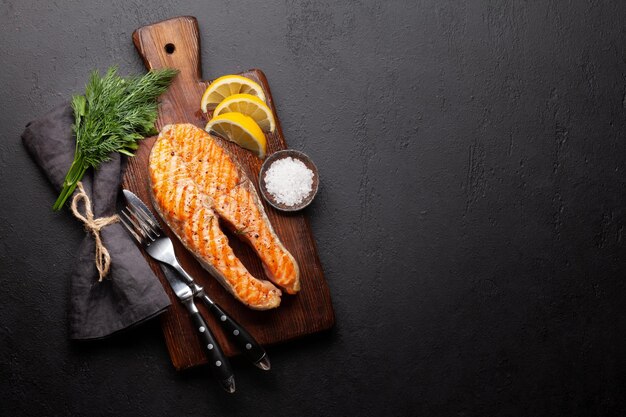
(195, 183)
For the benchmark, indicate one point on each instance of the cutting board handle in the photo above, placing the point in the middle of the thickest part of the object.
(173, 43)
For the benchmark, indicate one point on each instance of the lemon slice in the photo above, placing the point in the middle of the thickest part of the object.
(241, 129)
(248, 105)
(226, 86)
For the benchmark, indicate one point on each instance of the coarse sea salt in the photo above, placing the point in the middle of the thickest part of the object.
(289, 181)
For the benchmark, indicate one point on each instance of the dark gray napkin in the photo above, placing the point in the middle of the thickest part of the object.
(130, 293)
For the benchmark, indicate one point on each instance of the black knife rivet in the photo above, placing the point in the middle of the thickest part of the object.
(248, 346)
(218, 363)
(236, 332)
(202, 329)
(210, 346)
(223, 318)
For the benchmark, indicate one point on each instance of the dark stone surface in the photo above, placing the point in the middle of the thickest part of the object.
(470, 218)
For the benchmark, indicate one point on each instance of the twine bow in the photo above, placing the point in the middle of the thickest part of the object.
(103, 259)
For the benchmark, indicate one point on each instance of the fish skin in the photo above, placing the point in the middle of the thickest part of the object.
(194, 183)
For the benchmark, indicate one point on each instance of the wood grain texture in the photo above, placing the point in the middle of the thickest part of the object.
(175, 43)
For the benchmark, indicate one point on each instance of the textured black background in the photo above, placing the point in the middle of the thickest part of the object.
(470, 219)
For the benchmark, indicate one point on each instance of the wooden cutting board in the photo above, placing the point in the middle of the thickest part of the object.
(175, 43)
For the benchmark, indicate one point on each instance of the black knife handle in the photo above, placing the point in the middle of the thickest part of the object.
(235, 331)
(219, 364)
(244, 340)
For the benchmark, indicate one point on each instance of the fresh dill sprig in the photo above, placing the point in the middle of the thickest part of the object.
(113, 115)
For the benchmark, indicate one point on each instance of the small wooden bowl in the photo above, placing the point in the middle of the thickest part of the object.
(295, 155)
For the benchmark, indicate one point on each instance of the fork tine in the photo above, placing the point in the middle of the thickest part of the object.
(143, 212)
(140, 222)
(156, 229)
(137, 226)
(130, 228)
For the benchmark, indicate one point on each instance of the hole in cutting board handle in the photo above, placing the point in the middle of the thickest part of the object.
(170, 48)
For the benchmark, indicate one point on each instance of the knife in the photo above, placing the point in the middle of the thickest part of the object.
(248, 346)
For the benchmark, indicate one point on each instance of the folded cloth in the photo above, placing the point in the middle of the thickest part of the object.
(130, 293)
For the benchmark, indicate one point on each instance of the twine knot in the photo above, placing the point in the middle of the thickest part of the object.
(94, 225)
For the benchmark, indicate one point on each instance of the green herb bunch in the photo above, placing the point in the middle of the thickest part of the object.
(112, 116)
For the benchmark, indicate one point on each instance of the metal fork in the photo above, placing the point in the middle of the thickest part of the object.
(145, 228)
(136, 223)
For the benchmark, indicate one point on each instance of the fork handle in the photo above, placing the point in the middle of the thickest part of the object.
(218, 363)
(244, 340)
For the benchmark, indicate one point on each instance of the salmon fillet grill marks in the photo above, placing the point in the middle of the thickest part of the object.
(195, 183)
